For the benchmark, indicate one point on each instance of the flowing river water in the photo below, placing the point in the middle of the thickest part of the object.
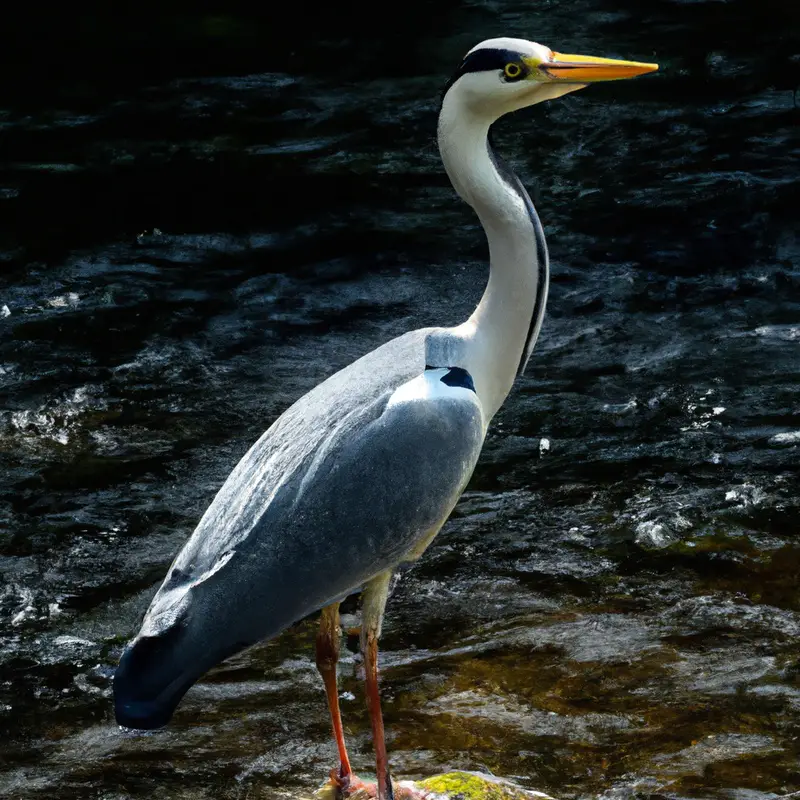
(204, 214)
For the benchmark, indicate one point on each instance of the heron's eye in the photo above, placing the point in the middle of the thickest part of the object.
(512, 71)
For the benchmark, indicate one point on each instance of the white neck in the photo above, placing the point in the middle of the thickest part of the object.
(497, 339)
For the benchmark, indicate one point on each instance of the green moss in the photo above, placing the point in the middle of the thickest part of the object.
(470, 786)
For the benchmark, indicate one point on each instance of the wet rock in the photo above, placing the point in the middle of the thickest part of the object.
(448, 786)
(600, 637)
(710, 614)
(786, 439)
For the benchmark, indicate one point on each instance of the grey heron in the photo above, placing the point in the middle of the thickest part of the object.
(360, 474)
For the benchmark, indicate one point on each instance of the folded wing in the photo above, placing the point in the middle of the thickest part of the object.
(351, 480)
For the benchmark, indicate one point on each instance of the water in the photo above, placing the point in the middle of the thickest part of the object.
(191, 241)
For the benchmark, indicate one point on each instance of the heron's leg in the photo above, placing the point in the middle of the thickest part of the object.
(375, 594)
(328, 640)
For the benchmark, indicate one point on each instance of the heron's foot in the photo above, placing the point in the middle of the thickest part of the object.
(356, 789)
(351, 787)
(346, 787)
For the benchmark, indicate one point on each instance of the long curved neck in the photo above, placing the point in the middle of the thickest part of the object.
(501, 333)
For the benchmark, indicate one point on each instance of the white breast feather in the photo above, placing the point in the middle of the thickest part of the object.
(429, 387)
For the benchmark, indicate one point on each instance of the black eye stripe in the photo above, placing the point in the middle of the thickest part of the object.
(485, 60)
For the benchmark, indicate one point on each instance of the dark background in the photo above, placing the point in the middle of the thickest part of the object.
(205, 210)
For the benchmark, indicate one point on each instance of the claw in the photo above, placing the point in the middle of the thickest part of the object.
(351, 787)
(337, 779)
(346, 786)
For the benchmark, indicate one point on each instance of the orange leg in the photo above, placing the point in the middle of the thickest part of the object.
(376, 718)
(328, 640)
(375, 596)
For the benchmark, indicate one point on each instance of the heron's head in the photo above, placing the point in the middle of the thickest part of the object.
(502, 75)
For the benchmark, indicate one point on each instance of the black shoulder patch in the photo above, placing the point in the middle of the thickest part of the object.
(458, 377)
(483, 60)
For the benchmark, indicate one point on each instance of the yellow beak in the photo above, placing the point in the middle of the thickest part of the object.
(590, 69)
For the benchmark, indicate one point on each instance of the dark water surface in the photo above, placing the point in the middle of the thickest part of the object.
(202, 214)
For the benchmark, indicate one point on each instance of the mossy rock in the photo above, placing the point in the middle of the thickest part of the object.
(476, 786)
(448, 786)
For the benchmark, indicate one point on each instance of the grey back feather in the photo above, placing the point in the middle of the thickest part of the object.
(340, 488)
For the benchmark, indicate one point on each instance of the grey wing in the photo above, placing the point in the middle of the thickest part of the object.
(386, 490)
(378, 484)
(353, 478)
